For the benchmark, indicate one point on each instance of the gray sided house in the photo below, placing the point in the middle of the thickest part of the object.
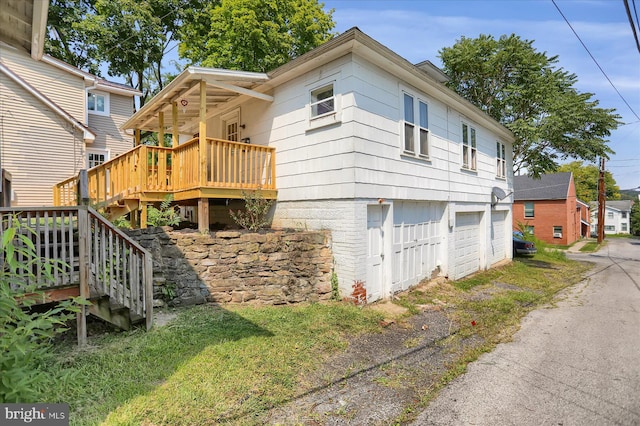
(55, 120)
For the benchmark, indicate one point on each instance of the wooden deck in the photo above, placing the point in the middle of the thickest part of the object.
(189, 172)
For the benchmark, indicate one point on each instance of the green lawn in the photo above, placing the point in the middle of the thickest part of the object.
(208, 365)
(212, 364)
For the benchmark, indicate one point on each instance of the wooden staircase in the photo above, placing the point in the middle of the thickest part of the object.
(93, 259)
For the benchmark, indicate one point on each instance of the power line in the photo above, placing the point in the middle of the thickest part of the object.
(594, 60)
(633, 27)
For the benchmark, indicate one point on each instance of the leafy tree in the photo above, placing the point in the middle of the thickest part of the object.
(253, 35)
(586, 179)
(526, 91)
(65, 41)
(635, 219)
(131, 37)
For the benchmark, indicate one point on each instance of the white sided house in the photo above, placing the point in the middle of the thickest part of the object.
(617, 217)
(412, 180)
(55, 120)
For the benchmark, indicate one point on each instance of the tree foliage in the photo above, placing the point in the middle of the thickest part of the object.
(635, 218)
(130, 37)
(586, 178)
(253, 35)
(526, 91)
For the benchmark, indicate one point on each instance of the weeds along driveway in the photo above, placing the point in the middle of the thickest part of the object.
(377, 377)
(387, 378)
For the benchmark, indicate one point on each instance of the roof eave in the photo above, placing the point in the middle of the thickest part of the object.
(191, 73)
(39, 28)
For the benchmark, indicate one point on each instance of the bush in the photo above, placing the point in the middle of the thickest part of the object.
(254, 216)
(166, 215)
(25, 336)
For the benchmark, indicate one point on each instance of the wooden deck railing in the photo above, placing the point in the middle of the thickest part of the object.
(86, 252)
(157, 169)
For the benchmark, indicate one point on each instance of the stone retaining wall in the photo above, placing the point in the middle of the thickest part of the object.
(276, 267)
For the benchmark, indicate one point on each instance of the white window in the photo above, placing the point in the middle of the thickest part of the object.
(469, 150)
(322, 101)
(623, 227)
(557, 232)
(624, 215)
(409, 125)
(609, 215)
(416, 129)
(501, 162)
(528, 209)
(95, 157)
(98, 103)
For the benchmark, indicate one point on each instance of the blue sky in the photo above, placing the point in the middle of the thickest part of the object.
(416, 30)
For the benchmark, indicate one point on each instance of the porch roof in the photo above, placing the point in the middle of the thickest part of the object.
(223, 86)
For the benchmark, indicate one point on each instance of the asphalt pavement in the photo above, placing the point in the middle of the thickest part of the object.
(576, 363)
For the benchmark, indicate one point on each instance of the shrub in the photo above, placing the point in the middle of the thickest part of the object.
(254, 216)
(166, 215)
(25, 336)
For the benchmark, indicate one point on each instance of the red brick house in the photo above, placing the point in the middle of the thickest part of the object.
(549, 208)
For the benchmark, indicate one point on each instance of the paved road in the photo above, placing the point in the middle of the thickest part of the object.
(577, 364)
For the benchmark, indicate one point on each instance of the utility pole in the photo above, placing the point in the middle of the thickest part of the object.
(601, 203)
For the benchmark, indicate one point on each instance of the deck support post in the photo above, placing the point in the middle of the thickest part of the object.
(137, 137)
(143, 215)
(203, 215)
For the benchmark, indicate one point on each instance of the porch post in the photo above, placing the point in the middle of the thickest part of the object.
(203, 215)
(174, 124)
(137, 141)
(161, 128)
(203, 133)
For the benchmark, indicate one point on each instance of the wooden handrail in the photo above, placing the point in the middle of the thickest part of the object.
(89, 253)
(162, 169)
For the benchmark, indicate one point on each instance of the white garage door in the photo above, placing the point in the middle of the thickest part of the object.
(467, 244)
(416, 242)
(498, 235)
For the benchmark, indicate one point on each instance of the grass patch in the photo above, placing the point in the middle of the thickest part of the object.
(212, 365)
(209, 365)
(590, 247)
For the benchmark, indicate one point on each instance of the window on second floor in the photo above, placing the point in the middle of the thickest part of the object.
(469, 150)
(528, 209)
(624, 215)
(98, 103)
(322, 101)
(501, 161)
(609, 215)
(416, 128)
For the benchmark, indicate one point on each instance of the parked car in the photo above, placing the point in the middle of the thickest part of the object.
(522, 246)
